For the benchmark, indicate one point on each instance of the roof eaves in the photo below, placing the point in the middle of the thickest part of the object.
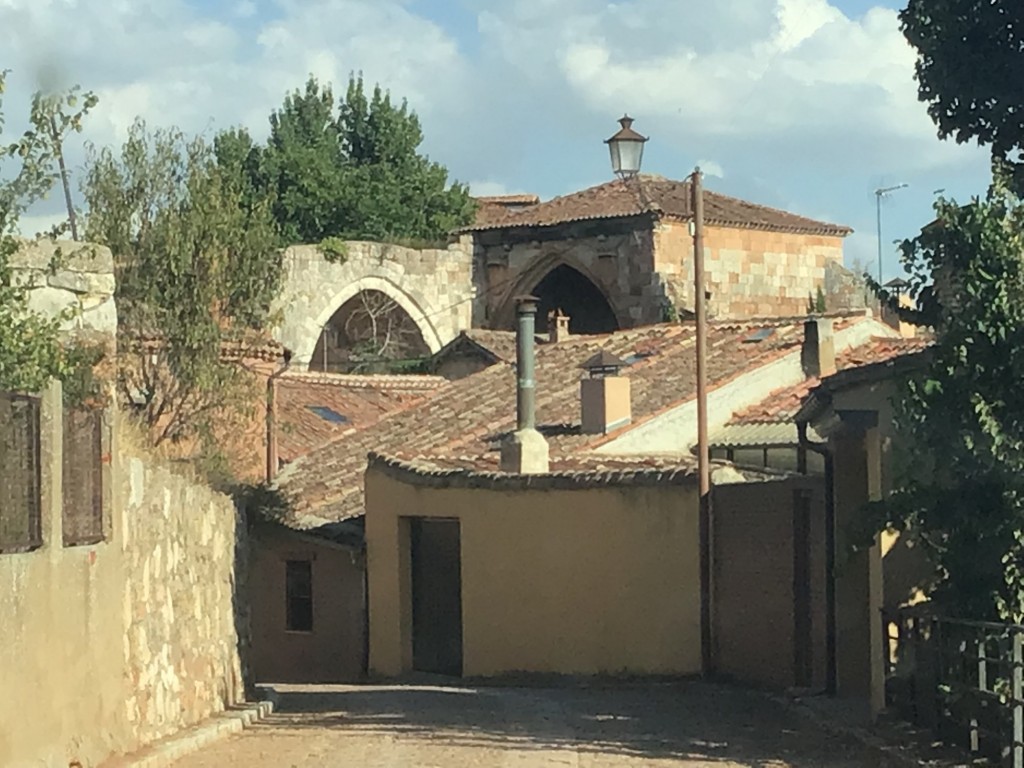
(820, 398)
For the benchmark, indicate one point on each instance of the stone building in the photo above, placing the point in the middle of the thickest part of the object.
(619, 255)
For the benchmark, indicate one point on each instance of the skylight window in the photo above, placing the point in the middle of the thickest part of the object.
(636, 357)
(759, 335)
(328, 414)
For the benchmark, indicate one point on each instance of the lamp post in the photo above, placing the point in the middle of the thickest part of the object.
(879, 194)
(627, 149)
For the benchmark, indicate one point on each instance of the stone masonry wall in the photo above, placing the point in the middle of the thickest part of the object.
(65, 275)
(434, 286)
(180, 540)
(618, 262)
(749, 272)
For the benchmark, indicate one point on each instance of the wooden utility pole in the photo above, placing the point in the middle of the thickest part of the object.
(703, 470)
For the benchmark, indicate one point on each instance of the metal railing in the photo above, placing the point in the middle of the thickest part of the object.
(963, 680)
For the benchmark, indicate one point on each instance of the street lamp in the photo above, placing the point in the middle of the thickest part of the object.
(879, 194)
(627, 149)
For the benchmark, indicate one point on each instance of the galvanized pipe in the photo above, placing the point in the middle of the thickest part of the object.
(526, 386)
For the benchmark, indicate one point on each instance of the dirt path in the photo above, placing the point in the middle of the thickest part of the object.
(459, 727)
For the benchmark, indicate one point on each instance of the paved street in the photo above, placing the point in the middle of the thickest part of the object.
(458, 727)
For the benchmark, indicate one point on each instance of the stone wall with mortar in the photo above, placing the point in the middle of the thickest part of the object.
(749, 272)
(642, 267)
(181, 541)
(615, 256)
(65, 275)
(434, 286)
(106, 647)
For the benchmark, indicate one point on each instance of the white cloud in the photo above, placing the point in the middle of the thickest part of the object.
(803, 104)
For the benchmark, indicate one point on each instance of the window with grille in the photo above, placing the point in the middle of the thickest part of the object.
(299, 595)
(82, 473)
(20, 503)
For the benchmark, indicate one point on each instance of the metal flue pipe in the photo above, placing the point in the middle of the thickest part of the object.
(526, 385)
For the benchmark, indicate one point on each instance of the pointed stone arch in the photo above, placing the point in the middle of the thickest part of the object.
(562, 283)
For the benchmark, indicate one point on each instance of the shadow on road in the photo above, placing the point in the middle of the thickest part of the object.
(695, 721)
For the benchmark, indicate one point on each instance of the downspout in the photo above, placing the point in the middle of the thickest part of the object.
(823, 450)
(271, 468)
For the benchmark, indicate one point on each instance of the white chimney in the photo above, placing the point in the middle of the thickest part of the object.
(558, 326)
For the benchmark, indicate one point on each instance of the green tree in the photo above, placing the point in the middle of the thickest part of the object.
(197, 265)
(970, 54)
(352, 172)
(960, 490)
(32, 347)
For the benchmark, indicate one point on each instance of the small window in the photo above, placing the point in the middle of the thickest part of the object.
(299, 595)
(328, 414)
(20, 503)
(82, 472)
(759, 335)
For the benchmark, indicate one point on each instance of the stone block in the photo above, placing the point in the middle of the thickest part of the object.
(51, 302)
(83, 282)
(101, 318)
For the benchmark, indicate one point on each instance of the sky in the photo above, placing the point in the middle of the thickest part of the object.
(806, 105)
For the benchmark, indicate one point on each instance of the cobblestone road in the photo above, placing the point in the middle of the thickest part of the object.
(593, 727)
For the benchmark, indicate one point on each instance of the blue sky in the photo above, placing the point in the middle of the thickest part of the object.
(807, 105)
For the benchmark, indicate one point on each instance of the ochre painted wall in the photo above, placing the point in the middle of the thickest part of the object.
(755, 593)
(590, 581)
(105, 648)
(333, 652)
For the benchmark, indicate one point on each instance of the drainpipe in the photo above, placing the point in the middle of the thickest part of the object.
(823, 450)
(271, 468)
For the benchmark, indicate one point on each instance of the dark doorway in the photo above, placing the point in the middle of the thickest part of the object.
(570, 291)
(436, 596)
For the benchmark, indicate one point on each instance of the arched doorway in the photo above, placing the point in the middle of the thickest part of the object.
(568, 290)
(370, 333)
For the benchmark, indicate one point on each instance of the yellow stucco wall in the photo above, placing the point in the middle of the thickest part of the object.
(333, 651)
(585, 581)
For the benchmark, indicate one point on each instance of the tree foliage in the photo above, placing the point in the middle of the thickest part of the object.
(32, 347)
(960, 490)
(970, 55)
(349, 170)
(197, 266)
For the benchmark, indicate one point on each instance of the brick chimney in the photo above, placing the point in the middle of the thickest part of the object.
(558, 326)
(525, 451)
(818, 354)
(604, 395)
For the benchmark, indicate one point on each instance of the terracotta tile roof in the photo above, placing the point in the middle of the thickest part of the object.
(249, 346)
(525, 198)
(468, 417)
(782, 405)
(494, 207)
(651, 195)
(500, 344)
(567, 472)
(315, 408)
